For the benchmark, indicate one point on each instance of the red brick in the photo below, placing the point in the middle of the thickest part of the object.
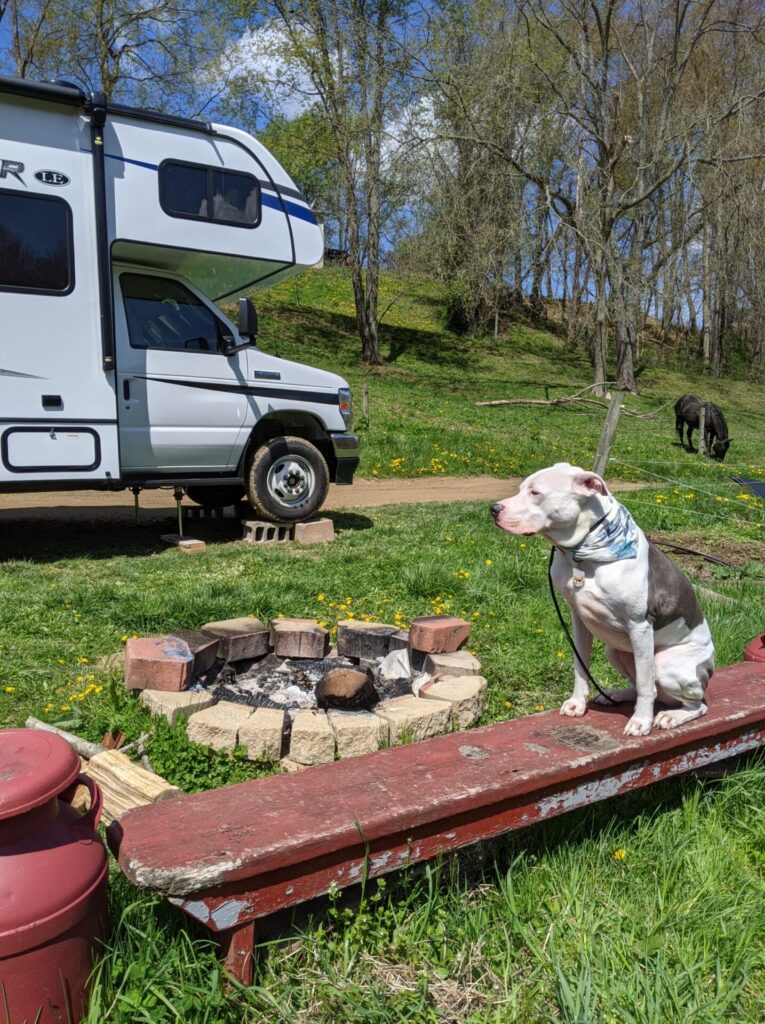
(320, 531)
(158, 663)
(299, 638)
(189, 545)
(438, 634)
(204, 649)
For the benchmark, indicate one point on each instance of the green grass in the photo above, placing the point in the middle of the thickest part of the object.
(644, 910)
(423, 419)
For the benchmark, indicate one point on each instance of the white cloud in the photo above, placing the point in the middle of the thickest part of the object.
(262, 54)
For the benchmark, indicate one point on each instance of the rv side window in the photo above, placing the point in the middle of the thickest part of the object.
(35, 244)
(209, 193)
(162, 314)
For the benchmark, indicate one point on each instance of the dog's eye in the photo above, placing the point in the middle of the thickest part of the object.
(535, 494)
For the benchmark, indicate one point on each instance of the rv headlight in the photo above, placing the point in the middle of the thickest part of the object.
(344, 400)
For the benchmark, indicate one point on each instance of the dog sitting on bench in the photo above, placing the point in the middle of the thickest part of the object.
(621, 589)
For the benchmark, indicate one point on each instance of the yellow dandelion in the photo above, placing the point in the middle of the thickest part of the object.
(10, 689)
(489, 561)
(619, 854)
(539, 707)
(320, 597)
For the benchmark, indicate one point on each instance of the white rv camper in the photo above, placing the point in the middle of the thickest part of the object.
(120, 229)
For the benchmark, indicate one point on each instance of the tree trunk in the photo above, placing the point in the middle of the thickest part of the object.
(599, 348)
(574, 308)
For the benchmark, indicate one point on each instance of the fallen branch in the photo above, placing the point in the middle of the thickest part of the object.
(84, 748)
(566, 399)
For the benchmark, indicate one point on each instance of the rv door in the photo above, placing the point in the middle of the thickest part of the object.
(181, 391)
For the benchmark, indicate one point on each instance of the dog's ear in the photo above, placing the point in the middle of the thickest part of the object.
(589, 483)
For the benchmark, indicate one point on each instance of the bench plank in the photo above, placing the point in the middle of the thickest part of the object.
(231, 855)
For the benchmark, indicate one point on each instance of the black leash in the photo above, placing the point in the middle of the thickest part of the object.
(570, 639)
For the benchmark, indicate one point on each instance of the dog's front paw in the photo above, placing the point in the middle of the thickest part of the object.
(574, 707)
(637, 726)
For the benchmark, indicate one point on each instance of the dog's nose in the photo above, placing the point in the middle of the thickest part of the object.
(496, 509)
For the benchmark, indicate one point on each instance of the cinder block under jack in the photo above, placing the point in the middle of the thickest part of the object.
(317, 531)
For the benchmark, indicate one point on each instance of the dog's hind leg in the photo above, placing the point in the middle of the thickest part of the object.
(624, 663)
(676, 687)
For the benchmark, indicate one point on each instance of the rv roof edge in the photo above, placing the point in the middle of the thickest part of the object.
(144, 114)
(67, 94)
(72, 95)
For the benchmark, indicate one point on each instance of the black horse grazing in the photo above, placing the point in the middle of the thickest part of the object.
(716, 438)
(715, 431)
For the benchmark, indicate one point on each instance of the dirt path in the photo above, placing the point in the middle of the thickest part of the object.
(84, 506)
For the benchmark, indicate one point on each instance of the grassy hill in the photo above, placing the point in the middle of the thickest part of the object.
(423, 418)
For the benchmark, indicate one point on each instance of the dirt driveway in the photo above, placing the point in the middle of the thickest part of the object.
(87, 506)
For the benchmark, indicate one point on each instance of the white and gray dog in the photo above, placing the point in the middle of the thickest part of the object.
(621, 589)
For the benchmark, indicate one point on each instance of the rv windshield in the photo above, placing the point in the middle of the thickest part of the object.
(162, 313)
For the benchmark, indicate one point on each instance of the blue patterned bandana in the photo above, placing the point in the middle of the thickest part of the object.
(614, 538)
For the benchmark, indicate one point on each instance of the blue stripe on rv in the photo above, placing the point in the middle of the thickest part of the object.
(267, 199)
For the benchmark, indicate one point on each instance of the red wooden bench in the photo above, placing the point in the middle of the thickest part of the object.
(232, 855)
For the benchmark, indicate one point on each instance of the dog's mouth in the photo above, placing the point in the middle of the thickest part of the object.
(509, 529)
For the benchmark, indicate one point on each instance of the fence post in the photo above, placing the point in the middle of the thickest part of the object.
(702, 426)
(365, 404)
(608, 432)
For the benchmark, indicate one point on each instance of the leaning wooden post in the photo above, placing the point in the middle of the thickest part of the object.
(365, 404)
(702, 426)
(608, 433)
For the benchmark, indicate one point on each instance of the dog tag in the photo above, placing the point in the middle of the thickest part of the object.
(578, 579)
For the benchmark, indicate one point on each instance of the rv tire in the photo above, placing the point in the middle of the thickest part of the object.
(216, 495)
(287, 480)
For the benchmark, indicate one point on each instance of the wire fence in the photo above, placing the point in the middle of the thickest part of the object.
(695, 488)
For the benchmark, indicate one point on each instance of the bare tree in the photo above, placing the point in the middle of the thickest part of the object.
(353, 57)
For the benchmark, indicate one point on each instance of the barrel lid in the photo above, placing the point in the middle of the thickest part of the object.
(35, 766)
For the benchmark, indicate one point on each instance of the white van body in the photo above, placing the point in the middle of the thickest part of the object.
(119, 231)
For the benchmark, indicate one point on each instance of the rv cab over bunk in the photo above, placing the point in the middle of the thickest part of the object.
(121, 232)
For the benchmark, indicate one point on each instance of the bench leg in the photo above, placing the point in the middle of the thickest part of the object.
(237, 951)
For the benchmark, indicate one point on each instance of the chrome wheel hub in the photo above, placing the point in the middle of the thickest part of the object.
(290, 480)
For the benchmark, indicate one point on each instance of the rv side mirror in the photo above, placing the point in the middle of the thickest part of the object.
(248, 320)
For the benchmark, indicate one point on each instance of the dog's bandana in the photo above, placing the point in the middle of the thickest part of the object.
(613, 538)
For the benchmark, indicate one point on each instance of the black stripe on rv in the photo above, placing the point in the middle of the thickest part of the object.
(316, 397)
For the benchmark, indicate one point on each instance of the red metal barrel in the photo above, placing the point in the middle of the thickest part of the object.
(755, 651)
(53, 872)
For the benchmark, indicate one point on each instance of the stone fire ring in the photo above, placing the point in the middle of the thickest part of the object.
(226, 679)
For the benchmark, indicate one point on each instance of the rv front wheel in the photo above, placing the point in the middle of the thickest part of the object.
(288, 480)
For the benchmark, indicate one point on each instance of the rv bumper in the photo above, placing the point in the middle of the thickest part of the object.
(346, 448)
